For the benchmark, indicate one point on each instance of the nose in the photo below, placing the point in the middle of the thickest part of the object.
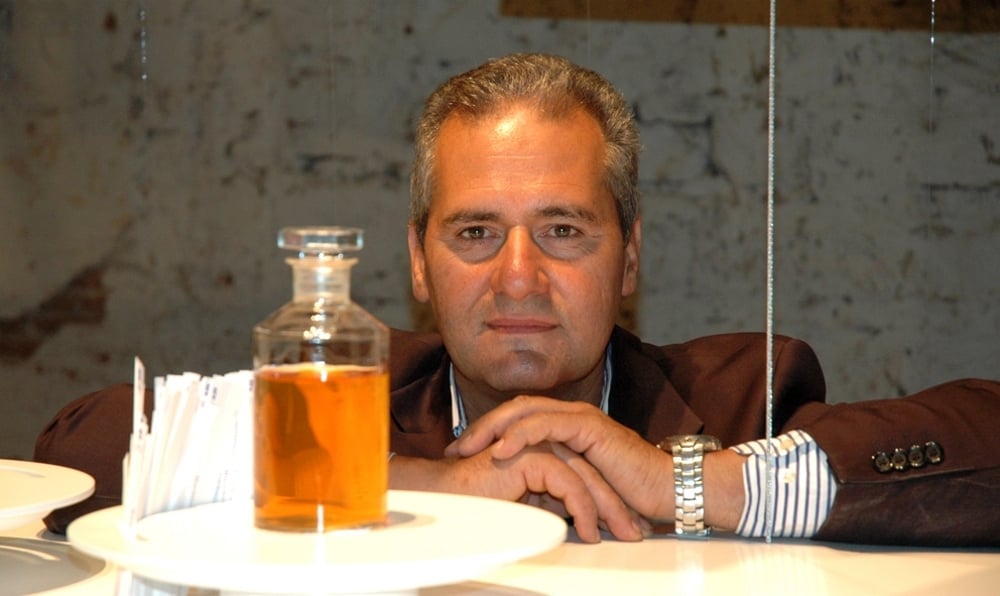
(520, 271)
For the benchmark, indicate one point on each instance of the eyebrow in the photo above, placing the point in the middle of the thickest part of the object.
(569, 213)
(469, 215)
(474, 215)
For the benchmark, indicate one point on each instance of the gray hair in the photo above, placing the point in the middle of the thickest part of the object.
(551, 83)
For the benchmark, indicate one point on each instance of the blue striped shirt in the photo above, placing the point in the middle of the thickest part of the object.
(804, 486)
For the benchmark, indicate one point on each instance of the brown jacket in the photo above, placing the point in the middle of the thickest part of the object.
(713, 385)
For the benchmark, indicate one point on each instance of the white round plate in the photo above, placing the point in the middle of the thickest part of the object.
(31, 490)
(431, 539)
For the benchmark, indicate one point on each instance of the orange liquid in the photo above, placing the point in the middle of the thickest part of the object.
(321, 440)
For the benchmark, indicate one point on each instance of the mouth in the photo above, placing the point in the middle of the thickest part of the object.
(519, 325)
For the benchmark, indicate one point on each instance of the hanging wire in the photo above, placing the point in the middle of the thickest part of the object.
(769, 387)
(331, 60)
(931, 119)
(6, 47)
(140, 106)
(143, 45)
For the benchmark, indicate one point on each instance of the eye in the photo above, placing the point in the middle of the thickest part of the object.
(563, 231)
(475, 243)
(474, 233)
(566, 242)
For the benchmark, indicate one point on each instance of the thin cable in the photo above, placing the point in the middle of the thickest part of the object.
(931, 123)
(769, 431)
(139, 200)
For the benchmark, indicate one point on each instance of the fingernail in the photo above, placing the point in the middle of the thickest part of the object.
(643, 526)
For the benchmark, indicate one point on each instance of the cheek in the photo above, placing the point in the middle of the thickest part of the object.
(453, 283)
(607, 297)
(591, 292)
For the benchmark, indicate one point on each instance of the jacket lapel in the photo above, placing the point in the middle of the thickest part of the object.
(642, 397)
(420, 401)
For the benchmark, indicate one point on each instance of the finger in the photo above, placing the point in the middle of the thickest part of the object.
(580, 430)
(487, 429)
(625, 461)
(612, 512)
(547, 473)
(547, 502)
(644, 525)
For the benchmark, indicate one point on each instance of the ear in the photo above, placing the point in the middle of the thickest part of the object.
(630, 275)
(418, 265)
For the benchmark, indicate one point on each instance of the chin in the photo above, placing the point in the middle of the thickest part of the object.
(517, 382)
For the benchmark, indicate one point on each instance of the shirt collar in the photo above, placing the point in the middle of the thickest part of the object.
(459, 422)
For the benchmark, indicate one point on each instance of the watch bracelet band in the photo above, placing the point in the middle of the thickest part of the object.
(689, 490)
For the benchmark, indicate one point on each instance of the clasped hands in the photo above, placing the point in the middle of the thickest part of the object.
(568, 457)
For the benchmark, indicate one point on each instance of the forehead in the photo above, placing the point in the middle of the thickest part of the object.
(521, 117)
(519, 152)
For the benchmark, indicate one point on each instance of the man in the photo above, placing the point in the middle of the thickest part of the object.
(524, 237)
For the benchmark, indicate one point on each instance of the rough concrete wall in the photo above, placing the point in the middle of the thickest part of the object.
(144, 171)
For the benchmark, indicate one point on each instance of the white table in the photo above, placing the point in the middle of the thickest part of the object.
(42, 563)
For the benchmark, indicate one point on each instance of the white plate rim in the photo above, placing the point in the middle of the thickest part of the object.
(56, 486)
(501, 533)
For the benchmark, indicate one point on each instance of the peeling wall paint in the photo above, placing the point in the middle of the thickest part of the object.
(147, 163)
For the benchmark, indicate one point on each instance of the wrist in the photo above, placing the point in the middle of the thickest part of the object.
(415, 473)
(724, 494)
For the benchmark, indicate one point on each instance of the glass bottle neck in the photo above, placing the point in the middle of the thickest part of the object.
(321, 278)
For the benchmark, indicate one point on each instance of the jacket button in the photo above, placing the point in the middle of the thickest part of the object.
(933, 452)
(882, 462)
(916, 456)
(899, 460)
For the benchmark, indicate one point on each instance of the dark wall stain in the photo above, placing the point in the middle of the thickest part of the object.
(81, 301)
(110, 22)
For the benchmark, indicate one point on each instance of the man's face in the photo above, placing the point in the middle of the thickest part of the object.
(523, 261)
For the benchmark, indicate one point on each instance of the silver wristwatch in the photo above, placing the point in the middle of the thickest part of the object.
(689, 481)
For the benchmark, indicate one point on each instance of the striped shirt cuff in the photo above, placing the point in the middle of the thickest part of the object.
(804, 486)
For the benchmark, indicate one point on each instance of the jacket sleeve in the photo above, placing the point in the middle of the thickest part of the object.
(90, 434)
(917, 470)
